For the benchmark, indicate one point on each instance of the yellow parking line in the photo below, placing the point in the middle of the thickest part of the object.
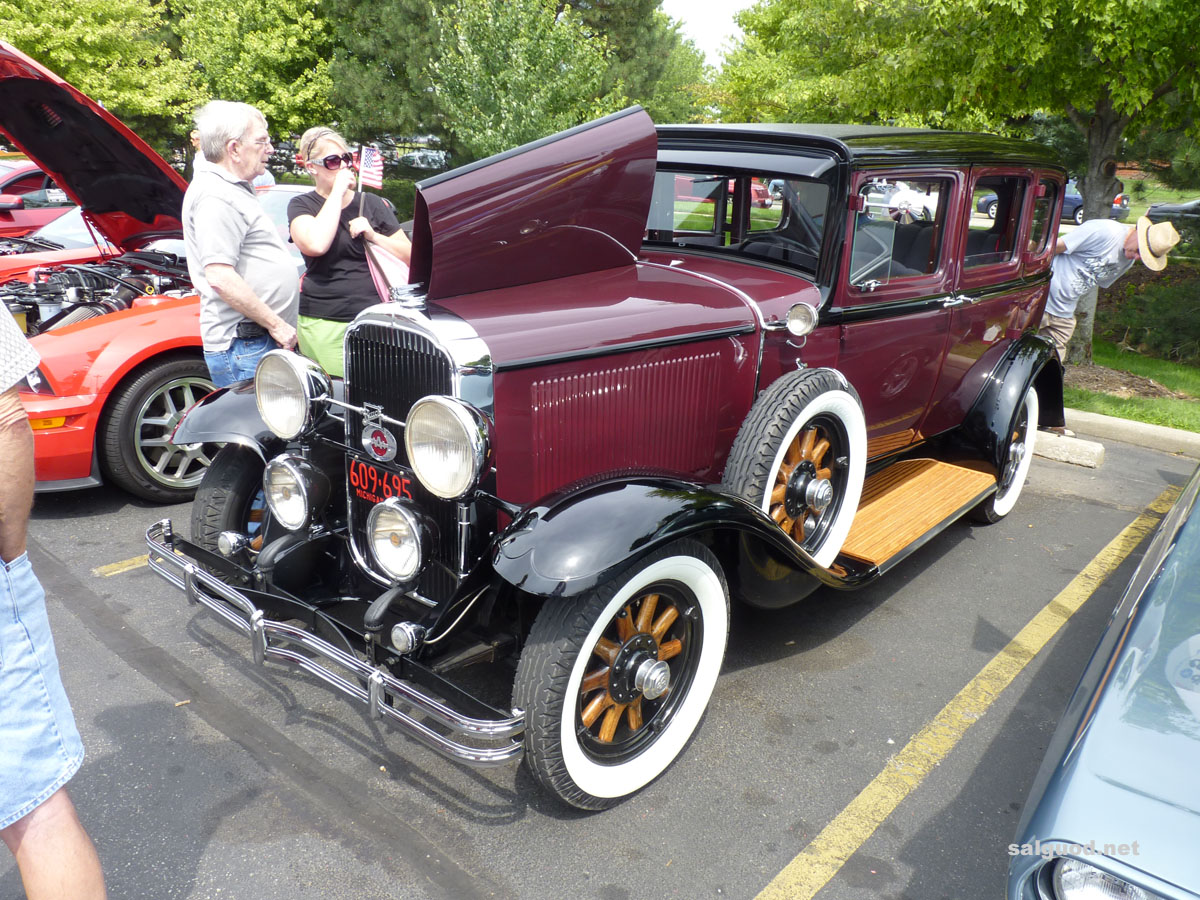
(817, 863)
(118, 567)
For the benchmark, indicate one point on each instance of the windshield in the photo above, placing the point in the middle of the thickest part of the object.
(69, 231)
(764, 215)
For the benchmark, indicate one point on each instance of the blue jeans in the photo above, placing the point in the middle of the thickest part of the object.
(39, 744)
(237, 363)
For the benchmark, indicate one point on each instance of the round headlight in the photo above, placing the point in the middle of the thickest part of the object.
(285, 491)
(395, 533)
(291, 392)
(1076, 880)
(801, 319)
(447, 444)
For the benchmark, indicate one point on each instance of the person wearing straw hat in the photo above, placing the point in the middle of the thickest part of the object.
(1095, 255)
(332, 226)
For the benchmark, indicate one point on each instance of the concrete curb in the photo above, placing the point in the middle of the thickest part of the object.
(1153, 437)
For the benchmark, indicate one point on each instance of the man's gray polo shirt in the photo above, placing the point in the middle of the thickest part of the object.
(224, 223)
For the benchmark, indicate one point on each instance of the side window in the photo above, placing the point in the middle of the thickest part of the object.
(50, 196)
(35, 181)
(1039, 233)
(898, 232)
(996, 220)
(688, 206)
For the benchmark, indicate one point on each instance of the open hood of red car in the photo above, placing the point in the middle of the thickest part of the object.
(129, 191)
(568, 204)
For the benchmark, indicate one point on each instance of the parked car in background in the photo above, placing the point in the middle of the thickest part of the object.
(1072, 209)
(1115, 809)
(116, 323)
(1185, 217)
(599, 411)
(29, 198)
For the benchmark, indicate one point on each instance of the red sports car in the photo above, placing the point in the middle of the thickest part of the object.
(29, 198)
(117, 327)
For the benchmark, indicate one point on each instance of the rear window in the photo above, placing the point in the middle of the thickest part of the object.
(761, 216)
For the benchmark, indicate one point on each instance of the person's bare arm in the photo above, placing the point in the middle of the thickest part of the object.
(397, 244)
(232, 288)
(314, 234)
(16, 477)
(1059, 247)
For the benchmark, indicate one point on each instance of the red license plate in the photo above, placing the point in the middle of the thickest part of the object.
(375, 484)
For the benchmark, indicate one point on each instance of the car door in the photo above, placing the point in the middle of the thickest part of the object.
(993, 302)
(896, 287)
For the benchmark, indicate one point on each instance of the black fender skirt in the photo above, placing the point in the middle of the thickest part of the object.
(575, 540)
(990, 420)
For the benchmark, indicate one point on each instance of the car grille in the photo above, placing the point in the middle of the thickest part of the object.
(392, 367)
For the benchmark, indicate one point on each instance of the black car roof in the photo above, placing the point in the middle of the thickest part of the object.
(872, 145)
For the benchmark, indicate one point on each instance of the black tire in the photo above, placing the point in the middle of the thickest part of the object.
(1016, 464)
(800, 457)
(134, 435)
(592, 736)
(991, 209)
(1078, 217)
(230, 498)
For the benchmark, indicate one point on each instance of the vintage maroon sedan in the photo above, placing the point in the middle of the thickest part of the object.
(599, 411)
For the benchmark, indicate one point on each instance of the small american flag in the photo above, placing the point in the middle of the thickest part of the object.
(370, 169)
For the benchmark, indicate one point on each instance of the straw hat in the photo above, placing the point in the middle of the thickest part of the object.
(1154, 242)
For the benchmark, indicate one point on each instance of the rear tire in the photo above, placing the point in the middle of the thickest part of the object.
(1016, 465)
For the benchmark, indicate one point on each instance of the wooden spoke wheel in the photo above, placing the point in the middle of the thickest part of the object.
(800, 456)
(614, 682)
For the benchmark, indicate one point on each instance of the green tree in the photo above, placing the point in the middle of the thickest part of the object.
(112, 51)
(1105, 66)
(273, 54)
(381, 66)
(511, 71)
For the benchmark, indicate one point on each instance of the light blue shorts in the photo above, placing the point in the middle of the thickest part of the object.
(40, 747)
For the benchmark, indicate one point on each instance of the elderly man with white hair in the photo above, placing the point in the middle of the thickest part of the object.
(249, 287)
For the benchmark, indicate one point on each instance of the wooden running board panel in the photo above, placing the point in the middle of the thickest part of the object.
(905, 501)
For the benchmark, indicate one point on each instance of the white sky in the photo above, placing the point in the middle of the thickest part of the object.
(709, 23)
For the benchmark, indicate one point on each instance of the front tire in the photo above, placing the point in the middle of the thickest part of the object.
(1078, 217)
(135, 433)
(991, 209)
(801, 456)
(1016, 465)
(230, 498)
(593, 732)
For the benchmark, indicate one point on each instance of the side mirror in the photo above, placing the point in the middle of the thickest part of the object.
(11, 201)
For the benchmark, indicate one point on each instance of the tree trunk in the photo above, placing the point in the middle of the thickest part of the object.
(1098, 185)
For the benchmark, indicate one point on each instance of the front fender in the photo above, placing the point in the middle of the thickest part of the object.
(229, 415)
(989, 423)
(575, 540)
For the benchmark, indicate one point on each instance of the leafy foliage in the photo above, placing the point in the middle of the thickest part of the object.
(1160, 318)
(512, 71)
(273, 54)
(113, 51)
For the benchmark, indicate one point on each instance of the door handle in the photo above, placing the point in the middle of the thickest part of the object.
(952, 301)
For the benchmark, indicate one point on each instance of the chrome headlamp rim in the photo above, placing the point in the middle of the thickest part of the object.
(293, 466)
(475, 430)
(416, 526)
(312, 382)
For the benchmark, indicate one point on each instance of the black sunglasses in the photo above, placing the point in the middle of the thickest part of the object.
(335, 161)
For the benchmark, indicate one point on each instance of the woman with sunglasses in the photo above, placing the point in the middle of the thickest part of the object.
(325, 224)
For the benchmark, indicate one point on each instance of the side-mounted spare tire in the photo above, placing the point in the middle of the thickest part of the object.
(801, 456)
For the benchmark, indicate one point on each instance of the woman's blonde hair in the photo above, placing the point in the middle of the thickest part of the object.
(314, 136)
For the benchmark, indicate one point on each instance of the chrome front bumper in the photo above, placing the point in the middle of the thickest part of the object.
(387, 697)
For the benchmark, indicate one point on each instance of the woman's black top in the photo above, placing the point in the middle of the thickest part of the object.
(337, 284)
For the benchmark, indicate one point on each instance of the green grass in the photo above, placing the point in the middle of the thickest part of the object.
(1182, 414)
(1170, 375)
(1173, 413)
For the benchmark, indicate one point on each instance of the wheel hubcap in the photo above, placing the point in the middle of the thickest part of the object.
(804, 488)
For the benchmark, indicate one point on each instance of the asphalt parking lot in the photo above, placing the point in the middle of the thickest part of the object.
(207, 777)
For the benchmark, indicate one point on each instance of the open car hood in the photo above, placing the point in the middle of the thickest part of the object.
(127, 189)
(568, 204)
